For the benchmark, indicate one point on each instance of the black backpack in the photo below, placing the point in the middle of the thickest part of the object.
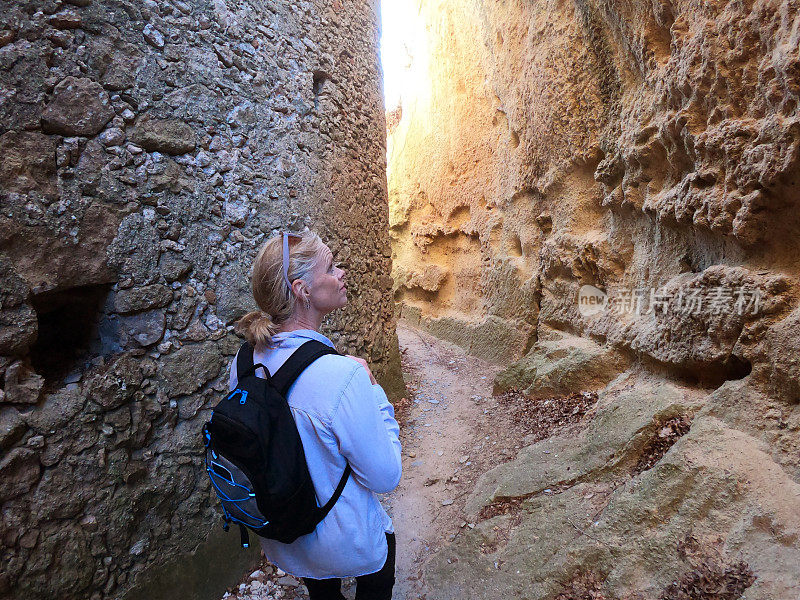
(254, 455)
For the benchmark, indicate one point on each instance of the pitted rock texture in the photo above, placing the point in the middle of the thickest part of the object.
(148, 149)
(574, 147)
(650, 150)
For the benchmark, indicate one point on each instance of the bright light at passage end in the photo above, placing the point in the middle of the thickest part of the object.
(399, 39)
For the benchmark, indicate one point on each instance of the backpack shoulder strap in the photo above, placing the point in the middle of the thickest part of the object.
(244, 361)
(301, 358)
(324, 510)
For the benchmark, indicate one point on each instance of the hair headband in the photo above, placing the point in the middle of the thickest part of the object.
(286, 235)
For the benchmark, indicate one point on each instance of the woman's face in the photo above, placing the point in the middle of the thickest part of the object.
(327, 291)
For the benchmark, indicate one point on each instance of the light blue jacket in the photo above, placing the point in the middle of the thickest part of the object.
(339, 414)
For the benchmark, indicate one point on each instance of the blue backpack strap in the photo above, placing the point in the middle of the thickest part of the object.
(301, 358)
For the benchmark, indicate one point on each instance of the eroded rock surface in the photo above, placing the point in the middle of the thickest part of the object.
(650, 150)
(578, 506)
(621, 157)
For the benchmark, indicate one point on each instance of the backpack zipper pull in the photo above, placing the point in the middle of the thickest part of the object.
(242, 395)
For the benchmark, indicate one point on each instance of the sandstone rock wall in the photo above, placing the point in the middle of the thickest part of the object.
(148, 148)
(579, 148)
(648, 149)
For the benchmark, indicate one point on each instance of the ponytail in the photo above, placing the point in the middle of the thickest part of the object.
(257, 328)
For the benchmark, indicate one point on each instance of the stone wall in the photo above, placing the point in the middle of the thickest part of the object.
(632, 146)
(148, 148)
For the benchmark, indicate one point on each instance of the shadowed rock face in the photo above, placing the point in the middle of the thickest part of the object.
(148, 149)
(650, 150)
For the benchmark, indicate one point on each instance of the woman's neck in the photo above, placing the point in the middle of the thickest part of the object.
(301, 322)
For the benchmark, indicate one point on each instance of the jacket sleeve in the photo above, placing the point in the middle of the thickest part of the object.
(368, 434)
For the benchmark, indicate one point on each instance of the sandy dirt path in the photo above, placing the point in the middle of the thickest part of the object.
(442, 435)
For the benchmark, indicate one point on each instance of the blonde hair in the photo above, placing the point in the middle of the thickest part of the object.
(273, 297)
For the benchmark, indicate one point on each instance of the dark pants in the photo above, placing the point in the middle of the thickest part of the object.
(375, 586)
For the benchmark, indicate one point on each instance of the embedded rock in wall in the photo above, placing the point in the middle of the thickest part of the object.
(650, 150)
(149, 148)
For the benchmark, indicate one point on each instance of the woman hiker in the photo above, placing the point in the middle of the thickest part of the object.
(342, 415)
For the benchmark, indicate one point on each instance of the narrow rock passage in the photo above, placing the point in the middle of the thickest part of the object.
(444, 437)
(447, 424)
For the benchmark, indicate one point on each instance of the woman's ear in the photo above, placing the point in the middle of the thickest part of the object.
(298, 288)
